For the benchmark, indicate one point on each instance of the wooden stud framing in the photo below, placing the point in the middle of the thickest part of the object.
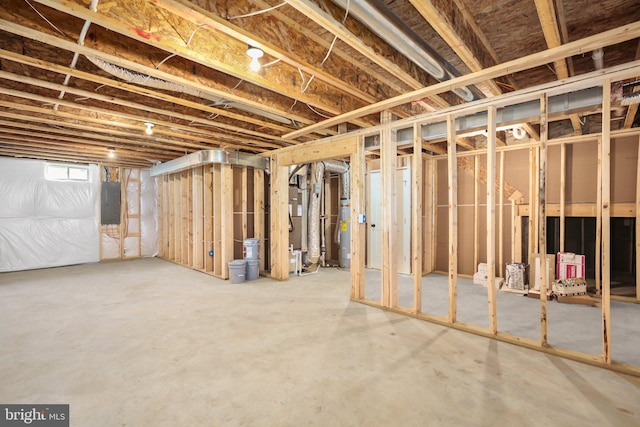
(173, 218)
(599, 221)
(452, 178)
(476, 211)
(198, 218)
(258, 213)
(532, 200)
(388, 168)
(428, 218)
(434, 211)
(638, 225)
(184, 218)
(491, 218)
(208, 217)
(516, 234)
(218, 266)
(245, 202)
(563, 188)
(606, 221)
(542, 220)
(358, 230)
(226, 218)
(279, 220)
(500, 266)
(416, 219)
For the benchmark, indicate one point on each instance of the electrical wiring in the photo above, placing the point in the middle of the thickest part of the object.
(193, 33)
(317, 112)
(257, 12)
(333, 42)
(45, 19)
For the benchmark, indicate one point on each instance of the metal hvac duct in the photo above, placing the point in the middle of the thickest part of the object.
(204, 157)
(314, 206)
(382, 21)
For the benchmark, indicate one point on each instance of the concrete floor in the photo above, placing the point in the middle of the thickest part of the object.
(150, 343)
(570, 326)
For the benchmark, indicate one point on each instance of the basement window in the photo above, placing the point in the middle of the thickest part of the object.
(66, 173)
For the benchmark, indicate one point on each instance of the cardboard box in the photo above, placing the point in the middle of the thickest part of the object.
(570, 265)
(570, 287)
(483, 268)
(535, 274)
(480, 279)
(515, 276)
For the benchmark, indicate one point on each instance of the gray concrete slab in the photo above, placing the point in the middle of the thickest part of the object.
(570, 326)
(150, 343)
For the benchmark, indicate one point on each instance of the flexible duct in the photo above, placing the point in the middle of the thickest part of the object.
(598, 58)
(145, 80)
(382, 21)
(314, 206)
(314, 214)
(342, 168)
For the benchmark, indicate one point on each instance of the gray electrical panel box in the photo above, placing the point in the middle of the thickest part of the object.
(110, 203)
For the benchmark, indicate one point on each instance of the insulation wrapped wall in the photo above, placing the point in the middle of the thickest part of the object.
(148, 214)
(46, 223)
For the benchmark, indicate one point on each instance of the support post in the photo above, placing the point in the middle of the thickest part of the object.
(208, 218)
(638, 225)
(279, 220)
(416, 219)
(198, 217)
(226, 223)
(606, 221)
(563, 189)
(258, 213)
(476, 211)
(542, 220)
(491, 218)
(358, 230)
(500, 265)
(452, 178)
(388, 167)
(599, 221)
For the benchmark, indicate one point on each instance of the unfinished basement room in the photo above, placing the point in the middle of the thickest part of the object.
(319, 212)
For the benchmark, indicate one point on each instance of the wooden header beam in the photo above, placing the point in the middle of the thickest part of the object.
(607, 38)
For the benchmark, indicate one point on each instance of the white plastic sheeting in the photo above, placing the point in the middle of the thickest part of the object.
(46, 223)
(148, 214)
(140, 230)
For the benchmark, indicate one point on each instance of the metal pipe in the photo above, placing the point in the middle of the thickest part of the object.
(382, 21)
(204, 157)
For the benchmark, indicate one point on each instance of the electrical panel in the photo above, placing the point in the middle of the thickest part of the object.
(110, 203)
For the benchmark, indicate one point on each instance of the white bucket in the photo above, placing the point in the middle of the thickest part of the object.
(251, 248)
(253, 269)
(237, 270)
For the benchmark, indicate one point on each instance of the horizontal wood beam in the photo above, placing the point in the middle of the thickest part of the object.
(314, 152)
(617, 35)
(212, 49)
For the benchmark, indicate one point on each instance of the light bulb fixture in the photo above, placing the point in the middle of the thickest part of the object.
(112, 152)
(255, 53)
(149, 129)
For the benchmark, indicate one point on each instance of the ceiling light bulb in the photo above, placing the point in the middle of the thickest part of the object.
(112, 152)
(254, 52)
(254, 65)
(149, 129)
